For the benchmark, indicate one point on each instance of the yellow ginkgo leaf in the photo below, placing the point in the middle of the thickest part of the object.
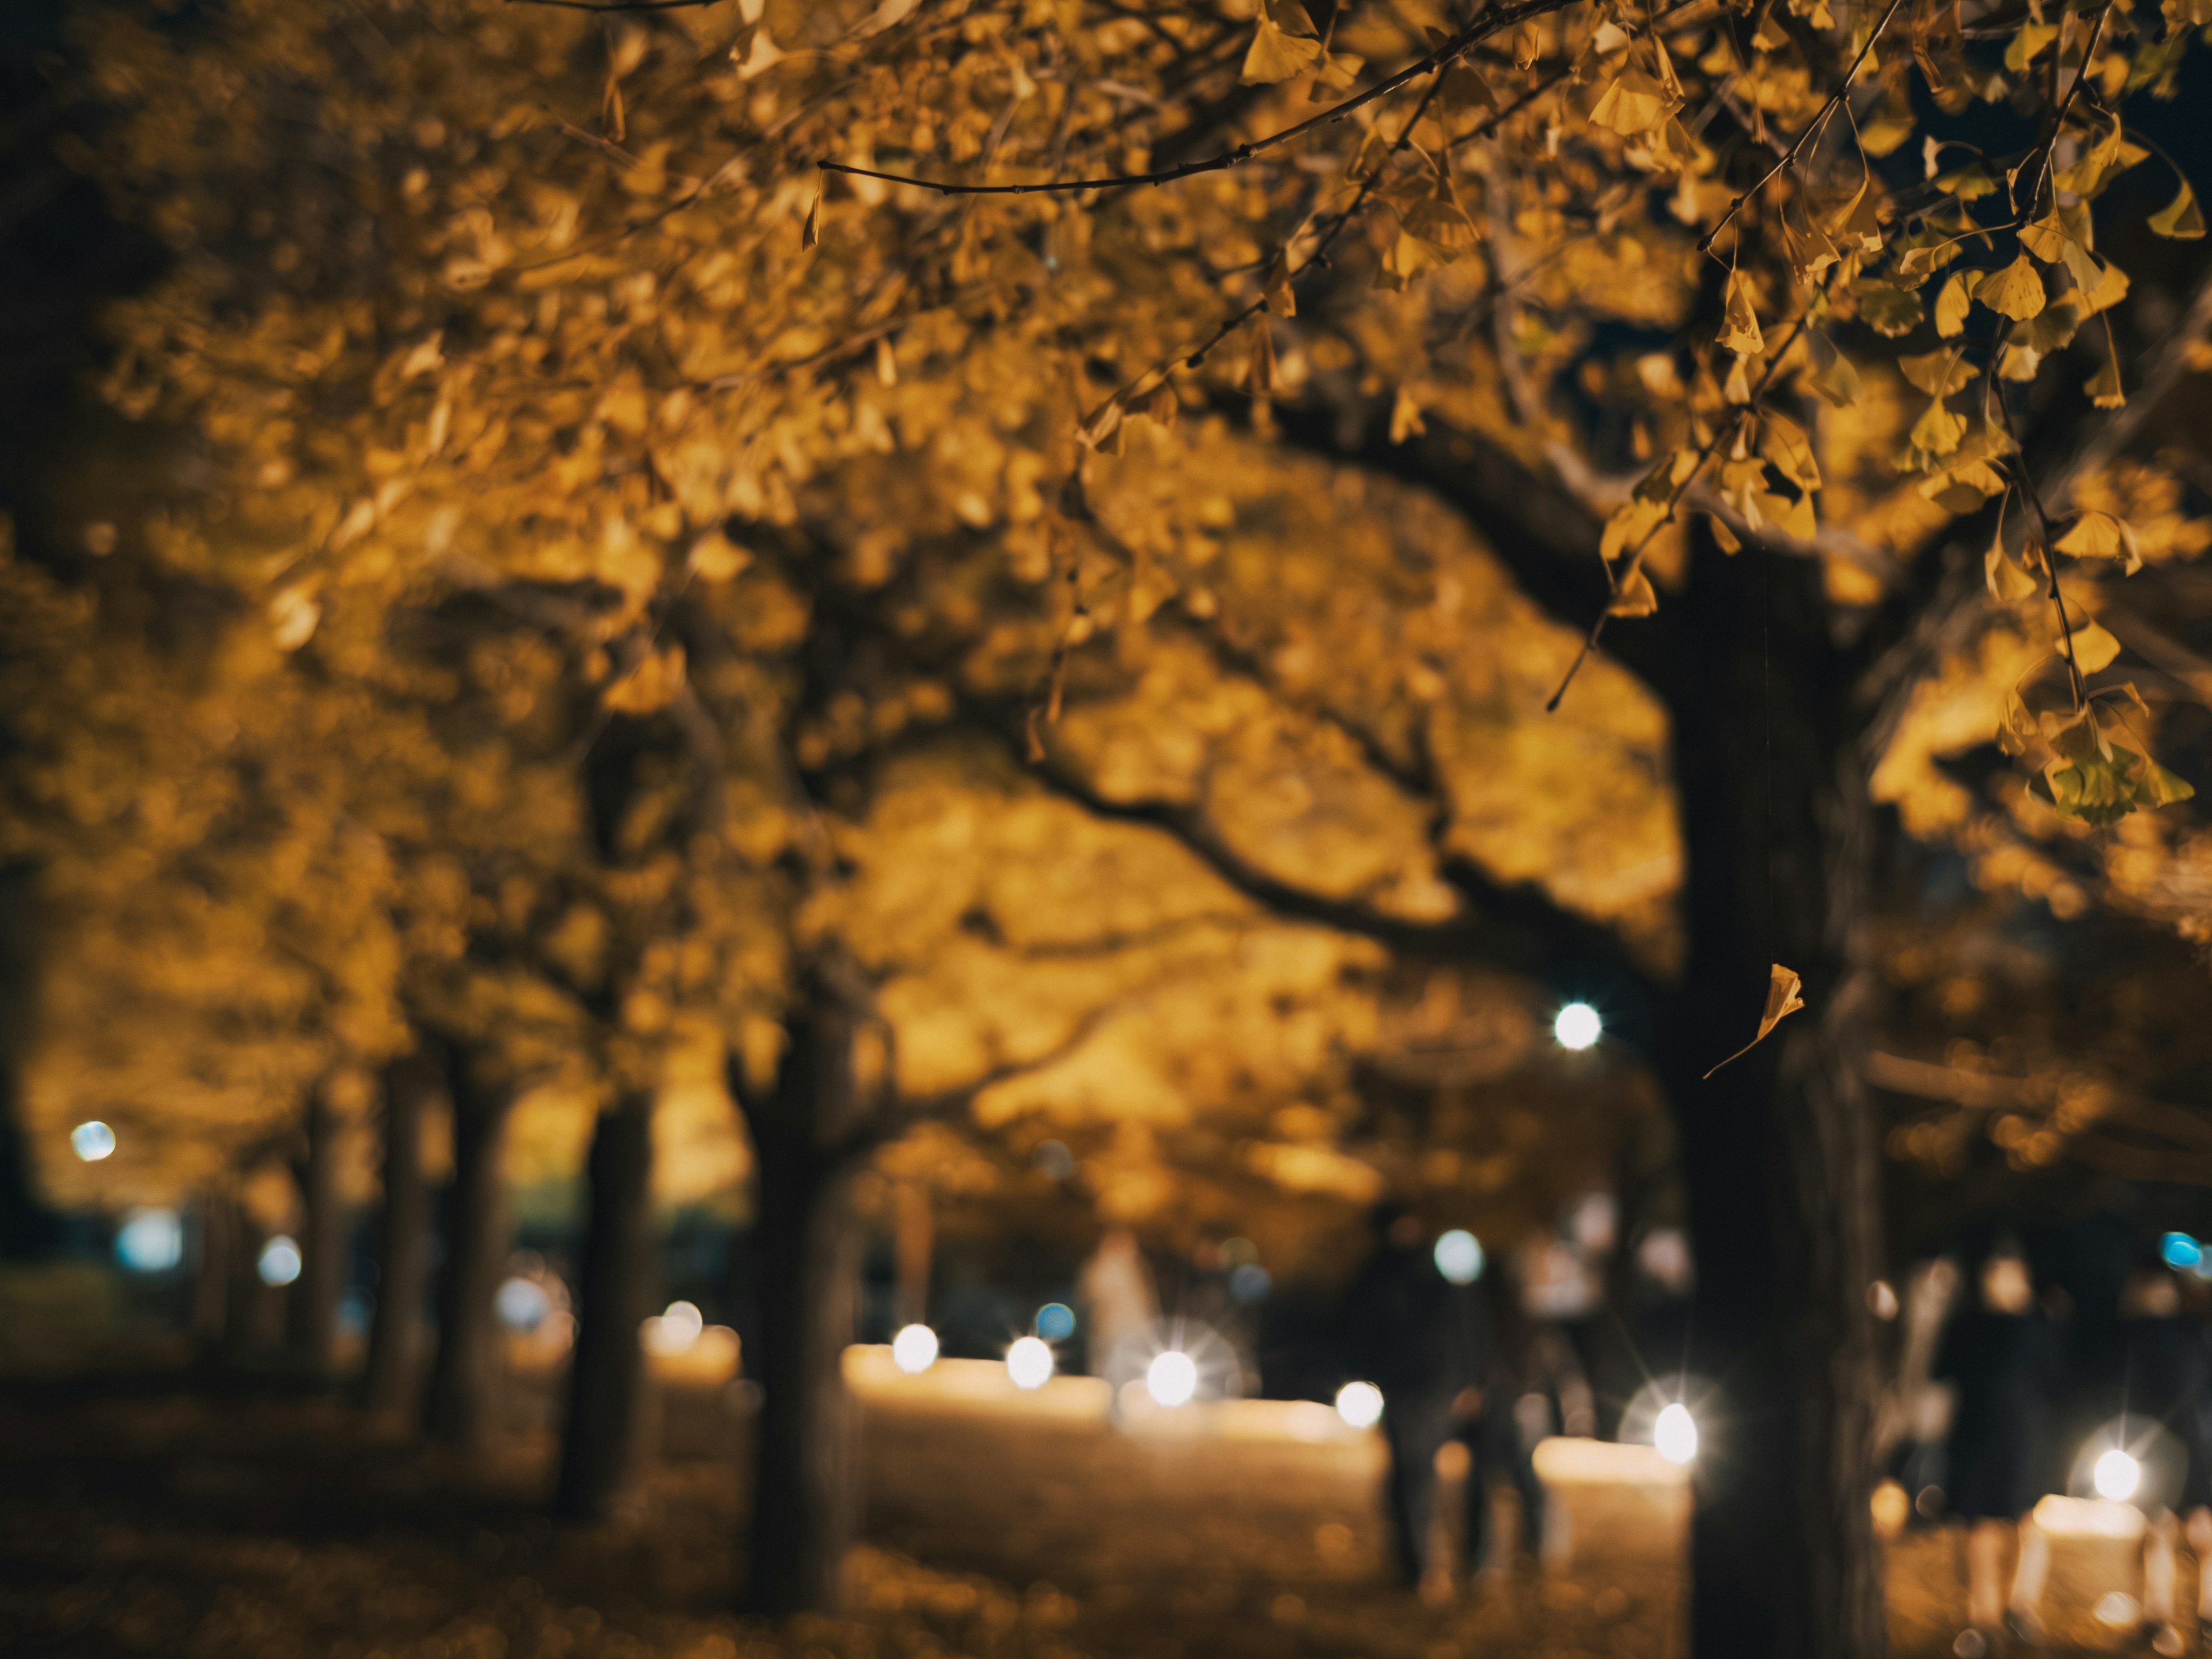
(1635, 102)
(1276, 53)
(2104, 388)
(2046, 239)
(1938, 431)
(1528, 44)
(1438, 220)
(2008, 582)
(1282, 299)
(1739, 326)
(2102, 536)
(1952, 306)
(1634, 597)
(2015, 292)
(1405, 417)
(1782, 998)
(1938, 373)
(2181, 218)
(2094, 647)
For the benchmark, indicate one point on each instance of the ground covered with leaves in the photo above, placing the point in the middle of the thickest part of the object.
(147, 1520)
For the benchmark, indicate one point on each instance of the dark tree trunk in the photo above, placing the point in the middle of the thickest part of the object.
(214, 1261)
(462, 1407)
(806, 1248)
(395, 1335)
(324, 1256)
(1776, 1148)
(600, 1452)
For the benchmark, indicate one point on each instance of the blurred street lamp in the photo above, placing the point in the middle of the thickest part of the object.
(279, 1263)
(2118, 1476)
(1030, 1363)
(150, 1241)
(1576, 1026)
(1675, 1433)
(913, 1350)
(1359, 1404)
(1458, 1257)
(91, 1141)
(1172, 1378)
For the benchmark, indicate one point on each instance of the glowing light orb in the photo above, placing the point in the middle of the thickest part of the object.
(521, 1304)
(1171, 1378)
(91, 1141)
(2177, 1250)
(1675, 1433)
(1056, 1321)
(1458, 1257)
(279, 1262)
(2117, 1475)
(1359, 1404)
(1030, 1363)
(913, 1350)
(1578, 1026)
(150, 1241)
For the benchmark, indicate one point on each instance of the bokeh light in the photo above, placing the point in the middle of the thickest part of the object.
(91, 1141)
(1250, 1282)
(2118, 1476)
(521, 1304)
(1576, 1026)
(1030, 1363)
(1359, 1404)
(2180, 1250)
(1056, 1321)
(279, 1261)
(913, 1350)
(1675, 1433)
(1458, 1257)
(1172, 1378)
(675, 1329)
(150, 1241)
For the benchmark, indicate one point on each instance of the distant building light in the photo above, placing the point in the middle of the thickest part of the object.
(1172, 1378)
(1359, 1404)
(279, 1263)
(1030, 1363)
(913, 1350)
(1576, 1026)
(150, 1241)
(1458, 1257)
(91, 1141)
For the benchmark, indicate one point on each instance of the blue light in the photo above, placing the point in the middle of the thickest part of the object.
(150, 1241)
(1250, 1282)
(1056, 1321)
(2179, 1250)
(1458, 1257)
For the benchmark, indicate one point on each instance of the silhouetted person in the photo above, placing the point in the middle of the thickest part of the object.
(2001, 1357)
(1416, 1337)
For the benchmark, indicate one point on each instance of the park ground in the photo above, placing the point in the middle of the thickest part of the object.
(142, 1517)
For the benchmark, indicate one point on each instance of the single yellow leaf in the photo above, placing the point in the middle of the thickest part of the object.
(1739, 326)
(1405, 417)
(1938, 373)
(2094, 647)
(1635, 102)
(1634, 596)
(2008, 582)
(1951, 308)
(2181, 220)
(1527, 45)
(1438, 220)
(1938, 431)
(2015, 292)
(2102, 536)
(1282, 299)
(1276, 54)
(2104, 388)
(810, 233)
(2046, 239)
(1782, 999)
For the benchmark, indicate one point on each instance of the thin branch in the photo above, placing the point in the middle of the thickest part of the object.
(1812, 130)
(2027, 482)
(617, 5)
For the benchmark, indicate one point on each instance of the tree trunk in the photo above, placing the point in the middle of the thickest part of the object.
(912, 1239)
(212, 1266)
(324, 1256)
(806, 1246)
(395, 1335)
(464, 1375)
(600, 1453)
(1776, 1147)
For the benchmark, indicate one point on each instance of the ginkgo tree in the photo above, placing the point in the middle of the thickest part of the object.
(945, 311)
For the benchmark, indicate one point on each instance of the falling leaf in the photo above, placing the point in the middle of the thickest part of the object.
(1782, 999)
(1277, 53)
(2015, 292)
(1739, 326)
(2181, 218)
(1952, 306)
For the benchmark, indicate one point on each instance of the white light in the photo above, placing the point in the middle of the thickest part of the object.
(1674, 1433)
(521, 1304)
(1578, 1026)
(1171, 1378)
(2117, 1475)
(674, 1329)
(913, 1350)
(91, 1141)
(1458, 1257)
(1030, 1363)
(151, 1242)
(280, 1261)
(1359, 1404)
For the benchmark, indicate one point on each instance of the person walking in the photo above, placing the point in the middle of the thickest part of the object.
(1999, 1356)
(1410, 1333)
